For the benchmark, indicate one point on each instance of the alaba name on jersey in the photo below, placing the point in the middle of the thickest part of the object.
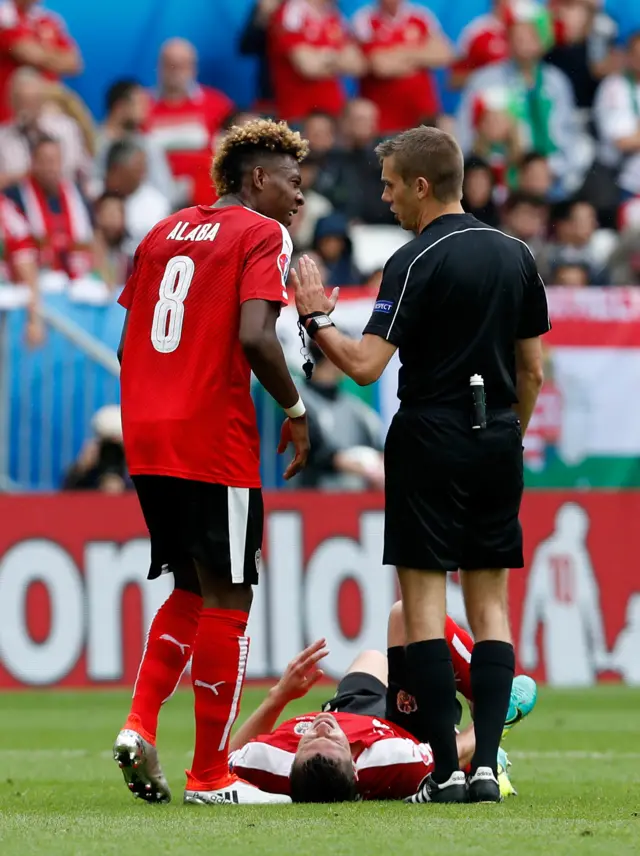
(186, 402)
(389, 762)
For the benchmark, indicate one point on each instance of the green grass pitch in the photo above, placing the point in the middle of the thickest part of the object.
(576, 764)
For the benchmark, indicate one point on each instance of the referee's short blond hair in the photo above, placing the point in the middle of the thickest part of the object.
(428, 153)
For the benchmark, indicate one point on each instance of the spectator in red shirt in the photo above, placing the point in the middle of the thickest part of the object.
(18, 264)
(310, 49)
(31, 35)
(402, 42)
(56, 211)
(483, 41)
(186, 116)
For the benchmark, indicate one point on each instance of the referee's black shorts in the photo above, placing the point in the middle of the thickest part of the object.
(220, 527)
(453, 494)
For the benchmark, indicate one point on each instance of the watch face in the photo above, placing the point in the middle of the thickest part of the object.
(324, 322)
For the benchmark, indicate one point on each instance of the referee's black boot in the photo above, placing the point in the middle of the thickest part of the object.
(484, 787)
(454, 790)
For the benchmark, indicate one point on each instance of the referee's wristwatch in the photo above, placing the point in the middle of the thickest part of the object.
(316, 321)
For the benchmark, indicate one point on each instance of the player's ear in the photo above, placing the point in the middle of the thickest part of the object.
(258, 175)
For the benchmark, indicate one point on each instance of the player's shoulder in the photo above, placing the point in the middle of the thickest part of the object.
(262, 227)
(164, 227)
(510, 243)
(403, 257)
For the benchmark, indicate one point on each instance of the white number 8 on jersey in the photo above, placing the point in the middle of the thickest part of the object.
(168, 315)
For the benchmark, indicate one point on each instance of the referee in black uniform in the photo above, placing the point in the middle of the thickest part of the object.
(458, 301)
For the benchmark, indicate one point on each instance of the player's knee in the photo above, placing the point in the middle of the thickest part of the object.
(186, 577)
(322, 780)
(489, 620)
(219, 593)
(396, 635)
(371, 663)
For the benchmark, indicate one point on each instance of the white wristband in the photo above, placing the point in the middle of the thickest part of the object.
(297, 410)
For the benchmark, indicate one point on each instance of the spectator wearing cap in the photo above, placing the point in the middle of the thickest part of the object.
(540, 99)
(31, 35)
(402, 42)
(498, 136)
(310, 50)
(186, 116)
(617, 118)
(478, 189)
(574, 242)
(127, 104)
(333, 244)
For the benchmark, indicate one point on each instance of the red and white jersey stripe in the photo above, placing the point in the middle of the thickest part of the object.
(389, 762)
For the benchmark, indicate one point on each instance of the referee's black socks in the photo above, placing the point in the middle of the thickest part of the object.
(493, 666)
(430, 670)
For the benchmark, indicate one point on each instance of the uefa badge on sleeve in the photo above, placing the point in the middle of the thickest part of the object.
(258, 560)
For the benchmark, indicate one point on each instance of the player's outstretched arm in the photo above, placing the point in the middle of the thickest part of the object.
(264, 353)
(299, 676)
(363, 361)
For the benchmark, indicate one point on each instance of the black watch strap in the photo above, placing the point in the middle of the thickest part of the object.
(318, 322)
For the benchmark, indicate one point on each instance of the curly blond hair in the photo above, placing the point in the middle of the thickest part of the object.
(258, 136)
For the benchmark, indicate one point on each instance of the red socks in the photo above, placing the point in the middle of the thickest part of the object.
(217, 673)
(461, 645)
(167, 651)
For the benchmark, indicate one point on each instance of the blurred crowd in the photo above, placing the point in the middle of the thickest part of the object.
(548, 117)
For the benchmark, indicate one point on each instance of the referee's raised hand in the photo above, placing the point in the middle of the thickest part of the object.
(309, 291)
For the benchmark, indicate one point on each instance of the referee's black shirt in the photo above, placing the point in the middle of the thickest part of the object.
(454, 301)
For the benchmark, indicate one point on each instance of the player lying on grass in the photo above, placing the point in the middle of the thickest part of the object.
(361, 746)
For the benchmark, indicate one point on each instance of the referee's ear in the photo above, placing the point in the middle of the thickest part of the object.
(422, 188)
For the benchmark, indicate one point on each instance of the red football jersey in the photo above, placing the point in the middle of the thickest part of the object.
(482, 42)
(390, 763)
(186, 404)
(297, 23)
(186, 130)
(37, 24)
(403, 102)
